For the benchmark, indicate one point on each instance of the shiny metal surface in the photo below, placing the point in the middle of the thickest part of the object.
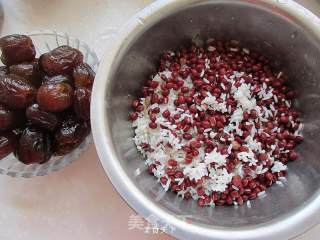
(282, 30)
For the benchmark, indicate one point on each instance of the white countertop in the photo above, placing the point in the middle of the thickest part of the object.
(77, 202)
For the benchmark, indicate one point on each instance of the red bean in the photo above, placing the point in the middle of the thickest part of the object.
(293, 155)
(240, 201)
(166, 114)
(187, 136)
(200, 191)
(133, 116)
(170, 171)
(163, 180)
(179, 174)
(229, 200)
(154, 84)
(252, 196)
(188, 160)
(153, 125)
(195, 144)
(236, 181)
(177, 116)
(195, 153)
(140, 108)
(201, 202)
(234, 194)
(172, 162)
(153, 117)
(284, 119)
(269, 176)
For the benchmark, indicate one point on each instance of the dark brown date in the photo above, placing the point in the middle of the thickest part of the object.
(7, 118)
(82, 97)
(7, 144)
(61, 60)
(34, 146)
(40, 118)
(16, 49)
(70, 135)
(55, 97)
(29, 71)
(15, 92)
(83, 76)
(57, 79)
(18, 132)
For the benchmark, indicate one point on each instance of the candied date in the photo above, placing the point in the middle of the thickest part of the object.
(15, 92)
(7, 118)
(82, 97)
(60, 60)
(57, 79)
(34, 146)
(55, 97)
(40, 118)
(70, 135)
(29, 71)
(16, 49)
(7, 144)
(18, 132)
(20, 119)
(11, 118)
(83, 75)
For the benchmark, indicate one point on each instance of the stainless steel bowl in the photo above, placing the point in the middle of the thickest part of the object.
(282, 30)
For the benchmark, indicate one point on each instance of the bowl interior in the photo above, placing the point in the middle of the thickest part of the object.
(273, 32)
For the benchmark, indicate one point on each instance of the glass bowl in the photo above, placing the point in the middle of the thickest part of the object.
(45, 41)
